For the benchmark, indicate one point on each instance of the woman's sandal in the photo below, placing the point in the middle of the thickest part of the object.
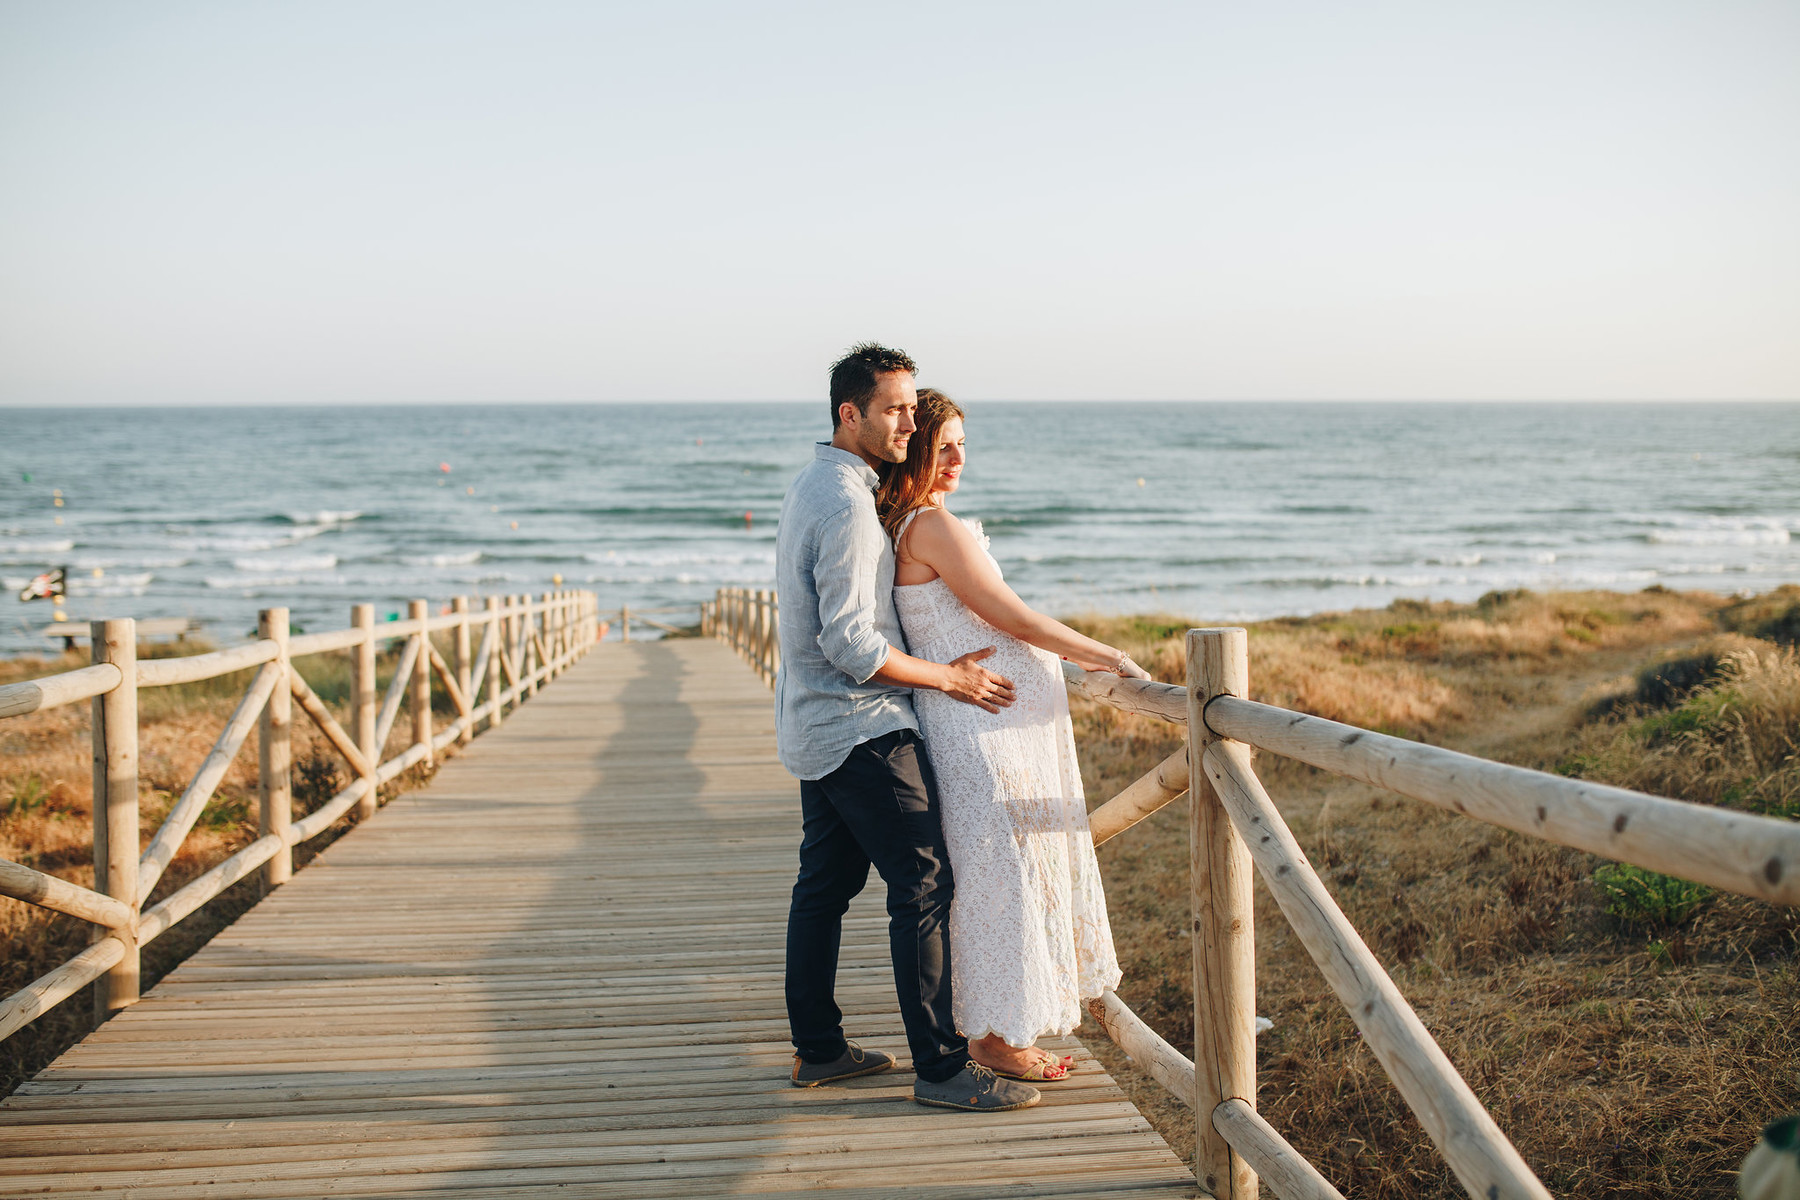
(1044, 1070)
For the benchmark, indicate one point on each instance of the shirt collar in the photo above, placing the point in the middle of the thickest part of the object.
(844, 458)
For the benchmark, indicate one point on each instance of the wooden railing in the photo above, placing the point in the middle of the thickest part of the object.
(746, 620)
(1233, 825)
(627, 615)
(524, 643)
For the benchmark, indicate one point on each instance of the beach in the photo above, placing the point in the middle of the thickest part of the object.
(1225, 512)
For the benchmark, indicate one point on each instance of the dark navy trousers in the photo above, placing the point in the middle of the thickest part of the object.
(880, 808)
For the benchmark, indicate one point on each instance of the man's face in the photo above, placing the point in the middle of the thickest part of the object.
(882, 433)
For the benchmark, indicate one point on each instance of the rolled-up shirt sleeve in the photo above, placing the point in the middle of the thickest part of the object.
(844, 578)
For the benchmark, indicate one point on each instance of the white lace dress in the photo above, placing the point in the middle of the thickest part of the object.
(1029, 939)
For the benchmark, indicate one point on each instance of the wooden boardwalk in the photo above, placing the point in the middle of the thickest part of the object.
(555, 971)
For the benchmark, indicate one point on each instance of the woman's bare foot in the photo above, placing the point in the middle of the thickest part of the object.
(994, 1053)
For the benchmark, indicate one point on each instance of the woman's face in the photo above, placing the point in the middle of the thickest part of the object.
(950, 456)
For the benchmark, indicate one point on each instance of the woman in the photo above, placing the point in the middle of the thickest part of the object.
(1029, 938)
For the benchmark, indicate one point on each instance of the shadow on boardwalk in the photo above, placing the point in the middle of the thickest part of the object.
(557, 970)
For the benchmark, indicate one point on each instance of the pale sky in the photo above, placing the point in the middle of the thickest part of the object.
(532, 201)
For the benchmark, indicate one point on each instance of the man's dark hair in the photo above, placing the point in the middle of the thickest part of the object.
(853, 376)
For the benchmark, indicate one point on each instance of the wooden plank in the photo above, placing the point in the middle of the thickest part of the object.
(558, 968)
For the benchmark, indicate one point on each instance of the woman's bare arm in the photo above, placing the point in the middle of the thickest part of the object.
(940, 541)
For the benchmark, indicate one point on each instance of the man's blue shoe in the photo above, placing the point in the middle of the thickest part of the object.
(852, 1062)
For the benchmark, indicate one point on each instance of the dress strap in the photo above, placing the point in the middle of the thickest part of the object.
(905, 524)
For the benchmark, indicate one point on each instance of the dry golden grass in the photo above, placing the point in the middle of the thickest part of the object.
(46, 822)
(1625, 1060)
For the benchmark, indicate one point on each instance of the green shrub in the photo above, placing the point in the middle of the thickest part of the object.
(1774, 615)
(27, 795)
(1639, 897)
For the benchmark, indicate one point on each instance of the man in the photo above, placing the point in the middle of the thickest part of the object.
(844, 725)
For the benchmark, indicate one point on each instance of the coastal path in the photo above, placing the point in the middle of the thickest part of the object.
(556, 970)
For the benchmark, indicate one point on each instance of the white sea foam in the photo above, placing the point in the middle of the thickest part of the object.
(241, 539)
(247, 580)
(90, 585)
(462, 558)
(325, 516)
(37, 546)
(1724, 531)
(143, 561)
(676, 558)
(286, 562)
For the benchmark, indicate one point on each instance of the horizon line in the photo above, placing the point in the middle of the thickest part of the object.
(21, 406)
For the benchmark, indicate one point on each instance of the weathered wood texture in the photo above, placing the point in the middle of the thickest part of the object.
(555, 970)
(1466, 1135)
(1740, 852)
(1224, 925)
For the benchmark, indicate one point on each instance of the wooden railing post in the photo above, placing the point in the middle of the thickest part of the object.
(774, 636)
(275, 809)
(420, 610)
(765, 634)
(527, 630)
(496, 674)
(625, 622)
(365, 701)
(758, 613)
(549, 638)
(464, 664)
(1224, 929)
(553, 637)
(116, 803)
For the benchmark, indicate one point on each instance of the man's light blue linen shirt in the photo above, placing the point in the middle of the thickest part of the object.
(834, 583)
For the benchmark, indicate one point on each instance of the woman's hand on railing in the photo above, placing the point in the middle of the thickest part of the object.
(1121, 666)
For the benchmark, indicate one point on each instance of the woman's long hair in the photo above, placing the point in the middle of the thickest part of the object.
(907, 485)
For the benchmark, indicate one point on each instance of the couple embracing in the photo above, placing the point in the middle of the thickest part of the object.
(921, 704)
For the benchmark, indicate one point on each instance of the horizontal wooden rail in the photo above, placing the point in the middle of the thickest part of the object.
(1165, 783)
(164, 672)
(53, 987)
(553, 632)
(158, 918)
(1145, 697)
(1734, 851)
(1277, 1163)
(1167, 1065)
(321, 643)
(18, 699)
(47, 891)
(1480, 1155)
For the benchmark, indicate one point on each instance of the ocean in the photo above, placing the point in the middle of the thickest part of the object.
(1214, 511)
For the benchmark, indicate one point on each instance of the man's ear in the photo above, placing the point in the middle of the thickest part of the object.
(848, 414)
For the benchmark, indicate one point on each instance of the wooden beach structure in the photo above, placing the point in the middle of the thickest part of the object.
(557, 968)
